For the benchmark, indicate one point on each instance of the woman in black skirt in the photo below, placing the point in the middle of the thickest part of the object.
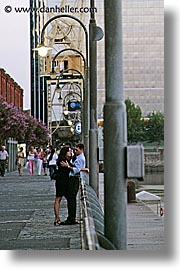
(61, 181)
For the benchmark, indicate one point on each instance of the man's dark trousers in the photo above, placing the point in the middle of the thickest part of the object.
(2, 167)
(72, 190)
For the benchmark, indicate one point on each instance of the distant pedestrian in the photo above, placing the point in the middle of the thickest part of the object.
(52, 158)
(3, 160)
(61, 181)
(20, 161)
(31, 159)
(39, 159)
(44, 162)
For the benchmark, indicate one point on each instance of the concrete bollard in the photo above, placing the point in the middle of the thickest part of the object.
(131, 192)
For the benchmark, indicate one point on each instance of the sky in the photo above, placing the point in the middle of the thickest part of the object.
(15, 44)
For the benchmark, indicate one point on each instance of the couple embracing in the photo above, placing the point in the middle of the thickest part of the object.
(67, 181)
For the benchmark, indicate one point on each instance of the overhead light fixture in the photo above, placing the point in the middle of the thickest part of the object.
(42, 50)
(60, 99)
(58, 88)
(72, 130)
(66, 112)
(70, 123)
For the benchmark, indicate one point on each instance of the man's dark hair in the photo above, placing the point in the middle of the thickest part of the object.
(80, 146)
(68, 144)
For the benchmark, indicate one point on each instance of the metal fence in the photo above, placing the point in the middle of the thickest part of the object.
(12, 151)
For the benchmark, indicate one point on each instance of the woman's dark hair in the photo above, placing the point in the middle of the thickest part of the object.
(62, 155)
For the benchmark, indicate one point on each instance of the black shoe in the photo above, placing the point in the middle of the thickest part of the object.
(57, 223)
(67, 222)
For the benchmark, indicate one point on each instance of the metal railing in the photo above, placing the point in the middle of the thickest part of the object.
(89, 236)
(92, 231)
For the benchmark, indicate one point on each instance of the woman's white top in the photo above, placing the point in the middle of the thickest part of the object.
(31, 156)
(54, 159)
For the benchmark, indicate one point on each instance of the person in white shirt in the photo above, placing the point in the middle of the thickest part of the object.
(52, 158)
(3, 160)
(39, 160)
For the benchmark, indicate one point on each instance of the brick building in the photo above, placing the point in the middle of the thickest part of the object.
(10, 90)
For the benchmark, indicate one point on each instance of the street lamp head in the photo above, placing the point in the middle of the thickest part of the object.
(42, 50)
(70, 123)
(66, 112)
(72, 130)
(58, 89)
(60, 99)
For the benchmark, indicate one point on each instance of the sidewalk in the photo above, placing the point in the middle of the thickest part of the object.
(27, 216)
(145, 229)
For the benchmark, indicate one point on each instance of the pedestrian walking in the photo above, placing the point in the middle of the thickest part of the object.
(44, 162)
(39, 159)
(3, 160)
(31, 159)
(73, 182)
(20, 161)
(52, 158)
(61, 181)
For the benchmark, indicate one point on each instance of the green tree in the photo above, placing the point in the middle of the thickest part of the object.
(135, 123)
(154, 128)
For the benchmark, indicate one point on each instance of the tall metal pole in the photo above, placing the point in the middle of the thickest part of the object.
(115, 138)
(86, 102)
(86, 115)
(93, 132)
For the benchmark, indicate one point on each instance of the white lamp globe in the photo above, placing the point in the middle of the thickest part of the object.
(42, 51)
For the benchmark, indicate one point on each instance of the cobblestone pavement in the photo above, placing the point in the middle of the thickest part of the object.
(27, 215)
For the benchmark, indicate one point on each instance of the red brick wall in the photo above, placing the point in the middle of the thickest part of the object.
(12, 95)
(10, 90)
(3, 83)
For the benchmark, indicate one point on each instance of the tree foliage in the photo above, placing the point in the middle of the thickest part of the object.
(135, 123)
(150, 129)
(154, 128)
(24, 128)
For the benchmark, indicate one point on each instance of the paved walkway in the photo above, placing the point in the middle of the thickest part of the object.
(27, 216)
(145, 229)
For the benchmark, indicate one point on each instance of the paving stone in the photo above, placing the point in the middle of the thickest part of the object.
(27, 215)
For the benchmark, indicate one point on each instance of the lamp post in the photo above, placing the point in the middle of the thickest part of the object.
(95, 34)
(65, 50)
(70, 101)
(86, 90)
(85, 117)
(115, 140)
(70, 93)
